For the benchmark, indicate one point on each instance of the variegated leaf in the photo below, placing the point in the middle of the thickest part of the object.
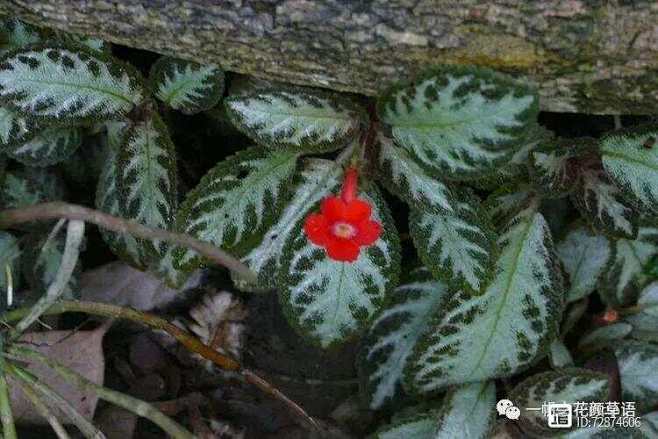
(467, 412)
(404, 177)
(10, 254)
(107, 200)
(460, 121)
(624, 276)
(166, 267)
(413, 426)
(584, 257)
(645, 321)
(316, 179)
(516, 168)
(604, 336)
(559, 354)
(501, 330)
(146, 176)
(569, 385)
(506, 202)
(62, 84)
(29, 186)
(601, 203)
(50, 146)
(630, 158)
(638, 362)
(236, 201)
(392, 336)
(15, 34)
(15, 128)
(185, 85)
(456, 245)
(329, 300)
(555, 167)
(301, 118)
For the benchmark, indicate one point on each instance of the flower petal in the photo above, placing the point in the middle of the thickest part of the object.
(368, 232)
(316, 228)
(357, 210)
(342, 250)
(333, 208)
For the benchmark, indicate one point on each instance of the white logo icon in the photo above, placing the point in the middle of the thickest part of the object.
(559, 415)
(513, 413)
(506, 407)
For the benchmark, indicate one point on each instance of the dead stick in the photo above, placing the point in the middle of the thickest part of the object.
(55, 210)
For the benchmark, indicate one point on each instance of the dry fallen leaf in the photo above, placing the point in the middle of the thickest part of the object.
(81, 351)
(218, 321)
(120, 284)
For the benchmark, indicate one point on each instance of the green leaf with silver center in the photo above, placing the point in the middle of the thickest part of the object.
(147, 178)
(630, 159)
(446, 224)
(391, 337)
(332, 301)
(236, 202)
(185, 85)
(503, 329)
(458, 121)
(305, 119)
(624, 276)
(316, 179)
(68, 85)
(584, 256)
(51, 146)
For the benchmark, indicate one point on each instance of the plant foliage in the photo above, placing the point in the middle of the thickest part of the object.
(496, 234)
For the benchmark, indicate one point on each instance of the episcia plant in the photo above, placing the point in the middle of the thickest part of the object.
(514, 229)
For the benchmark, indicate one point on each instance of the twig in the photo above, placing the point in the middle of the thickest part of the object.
(86, 428)
(191, 342)
(6, 415)
(74, 234)
(137, 406)
(49, 211)
(43, 410)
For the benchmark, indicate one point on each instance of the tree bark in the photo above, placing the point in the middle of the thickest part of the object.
(589, 56)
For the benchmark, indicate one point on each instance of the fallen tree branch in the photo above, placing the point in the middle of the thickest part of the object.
(56, 210)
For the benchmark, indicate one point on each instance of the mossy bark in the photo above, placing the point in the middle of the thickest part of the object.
(590, 56)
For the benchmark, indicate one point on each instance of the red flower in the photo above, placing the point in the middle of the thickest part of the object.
(343, 225)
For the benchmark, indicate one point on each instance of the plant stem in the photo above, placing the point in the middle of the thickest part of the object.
(137, 406)
(6, 415)
(54, 210)
(191, 342)
(56, 400)
(74, 234)
(151, 320)
(43, 410)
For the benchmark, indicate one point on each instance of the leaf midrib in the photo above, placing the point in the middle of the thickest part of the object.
(79, 86)
(152, 215)
(505, 297)
(168, 98)
(304, 116)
